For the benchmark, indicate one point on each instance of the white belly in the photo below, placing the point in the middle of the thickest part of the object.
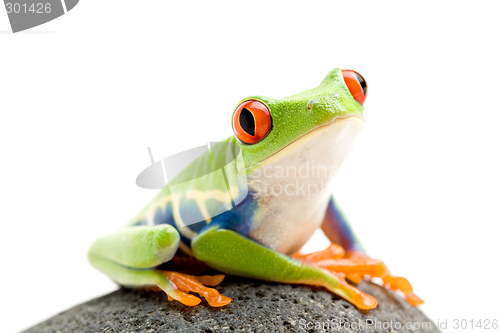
(293, 186)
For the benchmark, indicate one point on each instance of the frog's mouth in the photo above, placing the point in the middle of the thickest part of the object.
(328, 144)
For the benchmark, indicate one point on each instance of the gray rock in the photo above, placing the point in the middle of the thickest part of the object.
(256, 307)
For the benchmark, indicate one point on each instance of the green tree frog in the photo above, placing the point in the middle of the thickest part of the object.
(291, 149)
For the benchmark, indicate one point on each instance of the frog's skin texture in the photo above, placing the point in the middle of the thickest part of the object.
(259, 238)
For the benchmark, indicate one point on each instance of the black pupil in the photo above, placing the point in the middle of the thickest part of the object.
(247, 121)
(361, 82)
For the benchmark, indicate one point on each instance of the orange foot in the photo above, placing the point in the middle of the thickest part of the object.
(186, 283)
(355, 265)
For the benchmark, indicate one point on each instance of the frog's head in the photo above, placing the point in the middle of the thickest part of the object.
(318, 124)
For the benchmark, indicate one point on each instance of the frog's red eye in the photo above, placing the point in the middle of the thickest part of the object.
(356, 84)
(252, 121)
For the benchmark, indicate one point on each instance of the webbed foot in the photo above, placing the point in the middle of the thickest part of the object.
(355, 266)
(184, 283)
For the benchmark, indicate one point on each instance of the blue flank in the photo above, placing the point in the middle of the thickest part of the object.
(238, 219)
(165, 216)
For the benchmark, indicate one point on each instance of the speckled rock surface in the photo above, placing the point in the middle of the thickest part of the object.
(256, 307)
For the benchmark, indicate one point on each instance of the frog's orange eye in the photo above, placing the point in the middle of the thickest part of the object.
(252, 121)
(356, 84)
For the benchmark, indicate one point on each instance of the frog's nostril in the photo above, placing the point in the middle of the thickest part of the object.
(356, 85)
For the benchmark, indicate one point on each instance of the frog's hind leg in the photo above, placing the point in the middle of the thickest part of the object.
(236, 254)
(130, 258)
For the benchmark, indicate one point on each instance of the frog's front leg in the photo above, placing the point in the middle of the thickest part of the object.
(233, 253)
(131, 256)
(354, 263)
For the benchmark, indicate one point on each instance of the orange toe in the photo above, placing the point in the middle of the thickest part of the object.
(334, 251)
(355, 278)
(209, 280)
(372, 267)
(187, 283)
(413, 299)
(357, 297)
(365, 301)
(187, 299)
(400, 283)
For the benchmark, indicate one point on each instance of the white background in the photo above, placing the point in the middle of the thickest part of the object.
(83, 96)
